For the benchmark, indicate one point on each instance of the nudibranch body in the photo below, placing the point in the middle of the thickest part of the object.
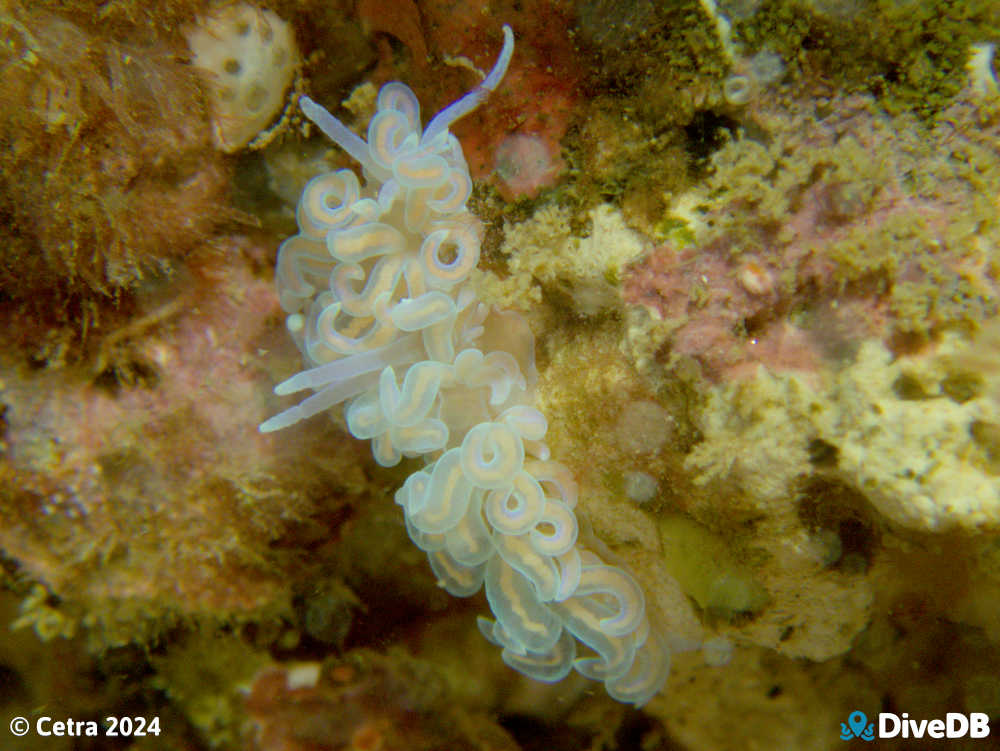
(375, 285)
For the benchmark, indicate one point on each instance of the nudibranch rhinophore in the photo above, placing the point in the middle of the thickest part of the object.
(375, 285)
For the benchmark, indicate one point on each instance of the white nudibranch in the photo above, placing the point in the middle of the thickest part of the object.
(376, 292)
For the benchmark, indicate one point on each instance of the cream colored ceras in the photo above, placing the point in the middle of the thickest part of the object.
(375, 287)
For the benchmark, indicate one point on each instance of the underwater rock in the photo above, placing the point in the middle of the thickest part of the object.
(849, 251)
(914, 454)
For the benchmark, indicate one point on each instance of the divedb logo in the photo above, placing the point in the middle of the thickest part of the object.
(954, 725)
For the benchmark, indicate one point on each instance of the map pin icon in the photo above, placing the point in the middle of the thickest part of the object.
(857, 721)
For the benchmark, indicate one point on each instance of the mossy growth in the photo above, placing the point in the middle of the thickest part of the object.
(708, 571)
(678, 48)
(900, 209)
(40, 611)
(201, 673)
(910, 55)
(128, 19)
(942, 296)
(651, 70)
(108, 176)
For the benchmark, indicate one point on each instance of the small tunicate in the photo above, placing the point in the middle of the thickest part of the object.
(766, 67)
(525, 165)
(643, 427)
(737, 89)
(640, 487)
(717, 651)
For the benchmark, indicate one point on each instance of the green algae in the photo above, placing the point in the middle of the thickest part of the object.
(910, 55)
(201, 673)
(707, 570)
(676, 231)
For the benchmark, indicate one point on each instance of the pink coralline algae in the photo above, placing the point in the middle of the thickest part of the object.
(515, 143)
(160, 497)
(708, 303)
(845, 226)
